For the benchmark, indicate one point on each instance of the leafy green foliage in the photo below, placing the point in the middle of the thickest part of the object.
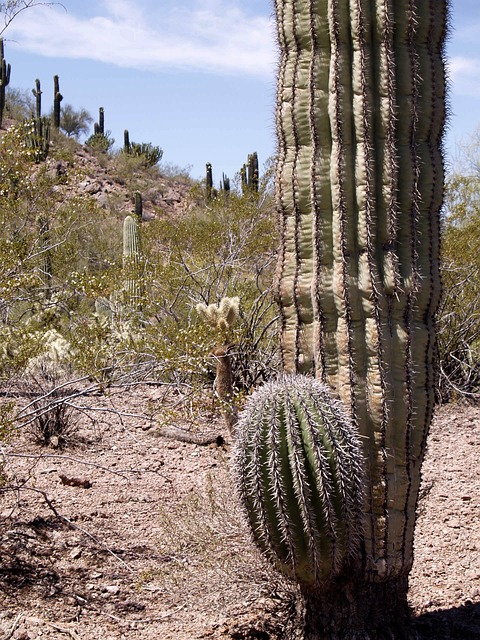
(74, 122)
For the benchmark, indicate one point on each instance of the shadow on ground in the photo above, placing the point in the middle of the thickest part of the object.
(458, 623)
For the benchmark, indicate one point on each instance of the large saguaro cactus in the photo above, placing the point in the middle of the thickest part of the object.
(359, 185)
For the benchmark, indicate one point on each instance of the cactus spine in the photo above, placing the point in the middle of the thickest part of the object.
(359, 186)
(300, 469)
(5, 70)
(57, 99)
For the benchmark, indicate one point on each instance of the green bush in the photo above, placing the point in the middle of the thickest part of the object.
(149, 154)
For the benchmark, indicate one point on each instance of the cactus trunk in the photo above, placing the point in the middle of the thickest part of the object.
(5, 70)
(57, 99)
(132, 264)
(359, 184)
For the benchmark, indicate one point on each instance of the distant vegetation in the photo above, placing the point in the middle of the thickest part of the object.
(78, 306)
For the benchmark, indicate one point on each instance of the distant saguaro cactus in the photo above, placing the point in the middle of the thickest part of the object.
(209, 180)
(249, 174)
(138, 206)
(5, 70)
(57, 99)
(132, 263)
(37, 92)
(126, 141)
(101, 121)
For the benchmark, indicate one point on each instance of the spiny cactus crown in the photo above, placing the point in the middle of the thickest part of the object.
(222, 316)
(300, 470)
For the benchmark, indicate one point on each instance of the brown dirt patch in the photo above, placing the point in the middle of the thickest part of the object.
(150, 544)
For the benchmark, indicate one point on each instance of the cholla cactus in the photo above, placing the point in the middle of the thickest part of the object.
(54, 363)
(222, 316)
(299, 464)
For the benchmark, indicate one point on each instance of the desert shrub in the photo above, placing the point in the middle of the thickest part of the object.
(175, 172)
(100, 142)
(149, 154)
(459, 316)
(46, 377)
(207, 254)
(19, 104)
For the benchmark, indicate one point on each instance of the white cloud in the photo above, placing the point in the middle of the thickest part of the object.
(464, 75)
(214, 37)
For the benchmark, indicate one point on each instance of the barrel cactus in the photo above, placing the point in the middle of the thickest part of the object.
(359, 187)
(299, 463)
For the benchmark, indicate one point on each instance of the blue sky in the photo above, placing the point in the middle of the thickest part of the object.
(196, 78)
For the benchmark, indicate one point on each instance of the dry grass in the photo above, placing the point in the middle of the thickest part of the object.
(208, 559)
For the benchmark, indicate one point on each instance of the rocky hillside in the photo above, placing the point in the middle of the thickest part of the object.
(104, 181)
(113, 178)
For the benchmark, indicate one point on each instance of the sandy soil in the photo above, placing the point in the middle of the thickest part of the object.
(125, 534)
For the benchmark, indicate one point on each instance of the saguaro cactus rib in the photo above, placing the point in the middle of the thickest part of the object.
(360, 114)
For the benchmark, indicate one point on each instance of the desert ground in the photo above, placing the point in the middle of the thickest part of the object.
(126, 533)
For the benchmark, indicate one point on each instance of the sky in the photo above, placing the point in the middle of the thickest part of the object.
(194, 77)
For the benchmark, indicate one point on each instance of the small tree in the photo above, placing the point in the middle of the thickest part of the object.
(12, 8)
(75, 123)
